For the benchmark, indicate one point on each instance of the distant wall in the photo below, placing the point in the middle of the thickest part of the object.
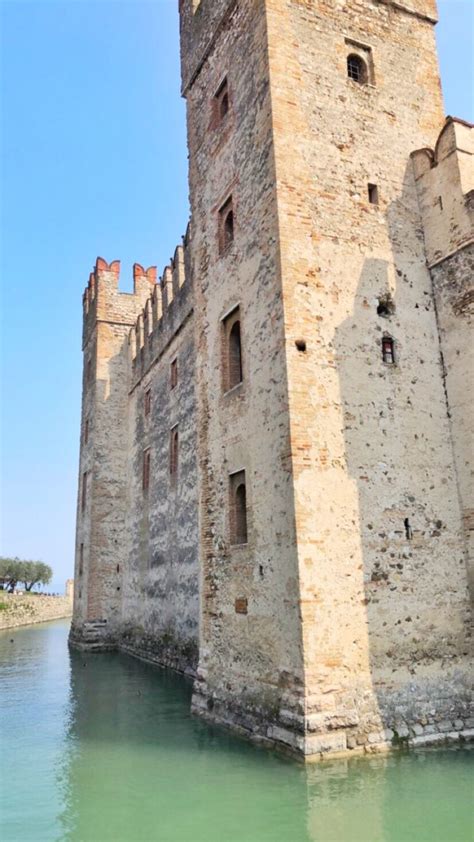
(23, 610)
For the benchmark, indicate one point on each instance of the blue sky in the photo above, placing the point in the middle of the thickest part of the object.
(94, 162)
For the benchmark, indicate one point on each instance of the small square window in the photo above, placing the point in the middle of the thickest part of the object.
(147, 401)
(226, 225)
(174, 374)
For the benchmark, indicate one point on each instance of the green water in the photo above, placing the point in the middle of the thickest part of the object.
(103, 748)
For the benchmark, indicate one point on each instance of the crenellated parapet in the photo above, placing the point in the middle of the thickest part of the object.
(104, 302)
(445, 184)
(162, 315)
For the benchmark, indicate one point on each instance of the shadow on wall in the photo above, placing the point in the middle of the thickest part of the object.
(399, 452)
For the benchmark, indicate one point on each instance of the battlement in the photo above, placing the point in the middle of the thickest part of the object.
(103, 301)
(445, 184)
(162, 315)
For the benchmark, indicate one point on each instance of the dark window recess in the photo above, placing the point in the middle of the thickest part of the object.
(147, 398)
(174, 452)
(238, 509)
(81, 559)
(301, 345)
(86, 431)
(174, 374)
(357, 69)
(408, 529)
(232, 350)
(89, 370)
(388, 350)
(118, 568)
(373, 193)
(146, 469)
(440, 202)
(221, 102)
(84, 491)
(226, 225)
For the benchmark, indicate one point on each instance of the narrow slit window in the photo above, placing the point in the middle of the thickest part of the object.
(147, 399)
(86, 431)
(373, 193)
(174, 453)
(388, 350)
(221, 103)
(238, 509)
(357, 69)
(174, 374)
(84, 491)
(226, 225)
(232, 350)
(408, 529)
(146, 470)
(81, 559)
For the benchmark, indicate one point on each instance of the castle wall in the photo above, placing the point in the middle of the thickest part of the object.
(381, 562)
(250, 665)
(160, 583)
(445, 185)
(102, 494)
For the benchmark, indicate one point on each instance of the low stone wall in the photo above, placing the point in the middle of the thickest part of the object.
(18, 610)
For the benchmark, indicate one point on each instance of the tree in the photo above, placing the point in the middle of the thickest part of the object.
(31, 573)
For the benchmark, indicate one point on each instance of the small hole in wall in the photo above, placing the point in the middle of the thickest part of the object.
(373, 194)
(301, 345)
(118, 588)
(385, 307)
(118, 568)
(260, 570)
(408, 529)
(210, 704)
(440, 202)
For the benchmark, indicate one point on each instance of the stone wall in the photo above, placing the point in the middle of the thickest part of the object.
(18, 610)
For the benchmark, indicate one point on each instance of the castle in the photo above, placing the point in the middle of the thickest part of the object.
(274, 490)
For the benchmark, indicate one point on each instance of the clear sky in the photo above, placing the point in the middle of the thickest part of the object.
(94, 163)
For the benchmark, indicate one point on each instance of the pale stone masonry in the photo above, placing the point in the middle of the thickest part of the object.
(275, 487)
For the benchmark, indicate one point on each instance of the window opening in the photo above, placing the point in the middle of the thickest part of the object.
(373, 193)
(86, 431)
(388, 350)
(222, 102)
(301, 345)
(81, 559)
(226, 225)
(357, 69)
(408, 529)
(147, 401)
(84, 491)
(146, 469)
(174, 374)
(238, 512)
(174, 445)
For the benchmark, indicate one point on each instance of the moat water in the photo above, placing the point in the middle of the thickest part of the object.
(103, 747)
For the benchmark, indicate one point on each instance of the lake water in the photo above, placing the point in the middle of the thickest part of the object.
(103, 747)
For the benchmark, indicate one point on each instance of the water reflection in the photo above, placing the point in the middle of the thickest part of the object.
(98, 748)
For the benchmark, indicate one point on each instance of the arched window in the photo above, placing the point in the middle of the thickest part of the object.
(235, 356)
(174, 446)
(357, 69)
(226, 225)
(240, 514)
(238, 508)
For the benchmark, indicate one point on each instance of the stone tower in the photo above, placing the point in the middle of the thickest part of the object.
(333, 574)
